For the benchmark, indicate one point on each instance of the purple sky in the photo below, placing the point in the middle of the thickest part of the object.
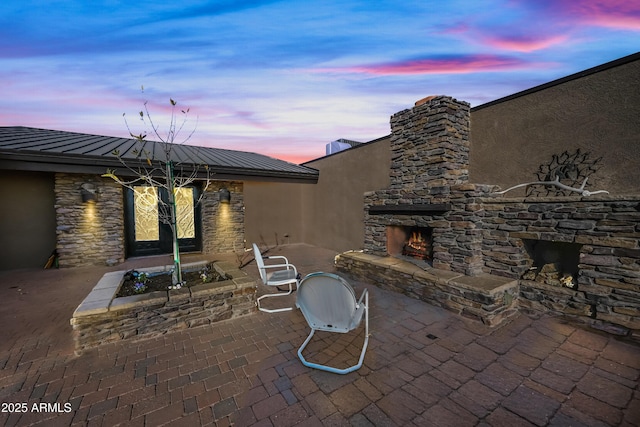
(284, 78)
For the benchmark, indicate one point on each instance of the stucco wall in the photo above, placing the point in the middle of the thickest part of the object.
(333, 209)
(329, 214)
(597, 113)
(272, 209)
(27, 219)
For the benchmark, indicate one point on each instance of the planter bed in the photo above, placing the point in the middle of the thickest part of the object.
(101, 318)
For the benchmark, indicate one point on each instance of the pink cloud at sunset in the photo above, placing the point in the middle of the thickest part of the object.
(523, 44)
(452, 65)
(618, 14)
(284, 78)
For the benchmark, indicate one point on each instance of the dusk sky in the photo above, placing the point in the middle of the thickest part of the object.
(284, 78)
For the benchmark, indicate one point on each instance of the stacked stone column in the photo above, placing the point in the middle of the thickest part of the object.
(430, 148)
(88, 233)
(430, 165)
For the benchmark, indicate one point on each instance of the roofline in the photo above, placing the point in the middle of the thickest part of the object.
(364, 144)
(68, 163)
(597, 69)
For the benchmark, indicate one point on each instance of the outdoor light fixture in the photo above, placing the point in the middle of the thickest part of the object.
(88, 192)
(225, 195)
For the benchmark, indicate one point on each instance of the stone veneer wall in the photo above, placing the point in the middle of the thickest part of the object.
(92, 232)
(430, 147)
(223, 224)
(608, 228)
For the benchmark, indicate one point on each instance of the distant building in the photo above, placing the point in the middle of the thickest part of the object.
(340, 145)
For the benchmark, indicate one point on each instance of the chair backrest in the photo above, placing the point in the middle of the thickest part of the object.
(327, 302)
(258, 256)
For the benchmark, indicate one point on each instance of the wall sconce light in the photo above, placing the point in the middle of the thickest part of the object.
(88, 192)
(225, 195)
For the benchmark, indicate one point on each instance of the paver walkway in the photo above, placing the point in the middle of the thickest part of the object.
(424, 366)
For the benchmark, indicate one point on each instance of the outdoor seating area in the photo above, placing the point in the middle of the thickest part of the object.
(423, 365)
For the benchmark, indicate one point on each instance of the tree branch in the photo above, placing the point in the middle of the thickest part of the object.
(557, 183)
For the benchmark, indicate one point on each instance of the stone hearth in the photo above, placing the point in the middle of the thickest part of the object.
(489, 299)
(480, 241)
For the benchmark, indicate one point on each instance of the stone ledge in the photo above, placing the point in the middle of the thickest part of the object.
(150, 298)
(597, 198)
(102, 318)
(485, 283)
(488, 298)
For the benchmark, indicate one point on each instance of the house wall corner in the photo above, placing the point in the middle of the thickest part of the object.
(223, 223)
(88, 232)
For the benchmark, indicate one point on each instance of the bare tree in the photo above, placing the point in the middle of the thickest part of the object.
(161, 171)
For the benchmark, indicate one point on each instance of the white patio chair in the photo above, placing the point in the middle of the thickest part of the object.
(285, 275)
(328, 303)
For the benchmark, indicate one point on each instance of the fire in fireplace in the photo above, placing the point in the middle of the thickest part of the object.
(413, 242)
(419, 244)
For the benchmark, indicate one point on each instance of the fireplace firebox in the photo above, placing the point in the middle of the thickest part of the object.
(414, 242)
(554, 263)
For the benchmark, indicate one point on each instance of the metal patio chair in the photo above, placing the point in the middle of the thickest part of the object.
(286, 274)
(328, 303)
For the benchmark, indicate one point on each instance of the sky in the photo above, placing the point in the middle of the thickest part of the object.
(284, 78)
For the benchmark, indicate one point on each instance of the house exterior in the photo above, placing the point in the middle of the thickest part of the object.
(55, 198)
(594, 110)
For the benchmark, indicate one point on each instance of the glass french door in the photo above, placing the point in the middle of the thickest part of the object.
(146, 222)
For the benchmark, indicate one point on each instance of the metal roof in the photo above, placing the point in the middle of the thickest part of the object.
(26, 148)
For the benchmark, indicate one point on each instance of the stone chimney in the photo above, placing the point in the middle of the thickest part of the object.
(429, 185)
(430, 147)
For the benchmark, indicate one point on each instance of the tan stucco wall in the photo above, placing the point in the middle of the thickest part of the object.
(597, 113)
(333, 210)
(328, 214)
(27, 219)
(272, 209)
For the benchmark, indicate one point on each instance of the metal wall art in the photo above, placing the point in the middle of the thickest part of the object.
(566, 173)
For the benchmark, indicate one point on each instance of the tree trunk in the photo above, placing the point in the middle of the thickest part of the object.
(176, 278)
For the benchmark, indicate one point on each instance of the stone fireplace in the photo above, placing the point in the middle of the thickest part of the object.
(488, 255)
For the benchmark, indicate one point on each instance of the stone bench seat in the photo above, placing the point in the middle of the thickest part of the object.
(487, 298)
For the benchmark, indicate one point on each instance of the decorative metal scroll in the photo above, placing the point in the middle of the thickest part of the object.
(565, 174)
(145, 202)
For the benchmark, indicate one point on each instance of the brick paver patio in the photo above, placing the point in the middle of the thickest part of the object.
(424, 366)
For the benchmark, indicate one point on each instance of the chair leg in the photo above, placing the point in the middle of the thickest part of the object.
(331, 368)
(277, 310)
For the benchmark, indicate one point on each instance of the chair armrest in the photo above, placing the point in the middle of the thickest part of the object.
(287, 266)
(276, 257)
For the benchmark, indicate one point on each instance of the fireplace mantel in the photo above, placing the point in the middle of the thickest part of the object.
(410, 209)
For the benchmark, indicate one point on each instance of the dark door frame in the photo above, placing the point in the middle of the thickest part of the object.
(165, 243)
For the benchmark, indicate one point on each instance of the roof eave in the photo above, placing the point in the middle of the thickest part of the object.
(36, 161)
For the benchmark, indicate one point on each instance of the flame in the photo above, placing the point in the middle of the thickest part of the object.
(416, 241)
(418, 245)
